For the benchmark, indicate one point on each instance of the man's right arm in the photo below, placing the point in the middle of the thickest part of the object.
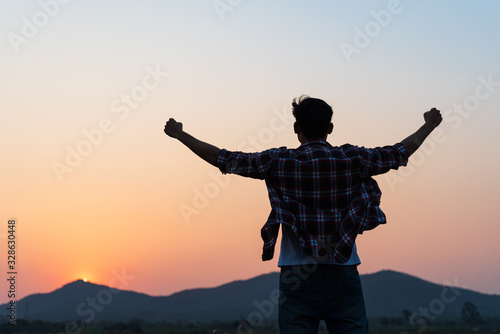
(432, 119)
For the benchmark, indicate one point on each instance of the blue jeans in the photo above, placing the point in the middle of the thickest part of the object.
(315, 292)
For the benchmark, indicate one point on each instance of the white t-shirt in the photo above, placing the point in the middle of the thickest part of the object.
(291, 254)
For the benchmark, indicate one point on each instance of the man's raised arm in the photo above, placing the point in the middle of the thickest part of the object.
(432, 119)
(204, 150)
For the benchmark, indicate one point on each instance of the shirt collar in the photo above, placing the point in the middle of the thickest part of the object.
(315, 142)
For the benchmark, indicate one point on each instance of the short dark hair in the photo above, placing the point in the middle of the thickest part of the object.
(312, 115)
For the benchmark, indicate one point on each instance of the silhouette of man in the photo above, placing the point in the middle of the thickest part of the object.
(323, 196)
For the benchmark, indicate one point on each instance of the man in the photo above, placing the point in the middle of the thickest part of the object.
(322, 196)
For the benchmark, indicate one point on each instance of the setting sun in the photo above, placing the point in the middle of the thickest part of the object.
(85, 279)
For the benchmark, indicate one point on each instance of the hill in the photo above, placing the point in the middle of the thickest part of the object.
(387, 294)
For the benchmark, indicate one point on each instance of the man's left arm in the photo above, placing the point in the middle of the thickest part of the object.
(206, 151)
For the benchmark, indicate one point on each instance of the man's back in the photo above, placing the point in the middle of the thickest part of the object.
(319, 191)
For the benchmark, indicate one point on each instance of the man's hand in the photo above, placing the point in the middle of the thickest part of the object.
(173, 128)
(433, 117)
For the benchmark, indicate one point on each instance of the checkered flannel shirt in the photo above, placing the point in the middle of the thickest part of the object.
(324, 193)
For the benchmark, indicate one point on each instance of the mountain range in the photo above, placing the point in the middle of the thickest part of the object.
(387, 294)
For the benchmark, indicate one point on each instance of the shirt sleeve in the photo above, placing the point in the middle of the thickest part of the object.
(380, 160)
(254, 165)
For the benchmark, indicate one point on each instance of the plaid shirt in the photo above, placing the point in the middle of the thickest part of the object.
(324, 193)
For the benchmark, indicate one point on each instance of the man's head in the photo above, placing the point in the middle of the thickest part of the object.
(313, 118)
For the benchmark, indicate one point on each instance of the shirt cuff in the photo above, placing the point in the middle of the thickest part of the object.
(403, 154)
(222, 160)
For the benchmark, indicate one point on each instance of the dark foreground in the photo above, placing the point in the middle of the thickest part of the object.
(138, 326)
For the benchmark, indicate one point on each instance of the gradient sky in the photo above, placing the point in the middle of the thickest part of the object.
(129, 212)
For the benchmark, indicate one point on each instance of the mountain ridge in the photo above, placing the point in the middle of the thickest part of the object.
(387, 294)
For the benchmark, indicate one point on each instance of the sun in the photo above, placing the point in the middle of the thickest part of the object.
(85, 279)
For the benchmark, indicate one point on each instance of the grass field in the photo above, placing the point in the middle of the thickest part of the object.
(40, 327)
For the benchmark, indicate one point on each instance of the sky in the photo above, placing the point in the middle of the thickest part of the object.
(98, 191)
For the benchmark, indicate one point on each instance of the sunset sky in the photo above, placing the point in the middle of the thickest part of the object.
(98, 190)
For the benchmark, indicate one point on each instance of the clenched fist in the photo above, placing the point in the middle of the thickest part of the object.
(173, 128)
(433, 117)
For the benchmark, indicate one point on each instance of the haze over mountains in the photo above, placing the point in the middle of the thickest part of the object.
(387, 293)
